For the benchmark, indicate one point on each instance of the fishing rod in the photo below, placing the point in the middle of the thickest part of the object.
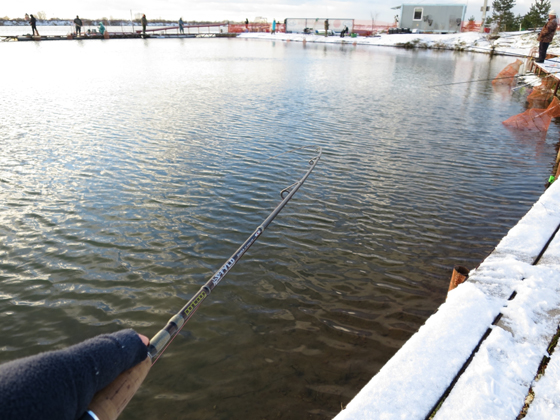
(163, 338)
(472, 81)
(504, 53)
(111, 401)
(486, 80)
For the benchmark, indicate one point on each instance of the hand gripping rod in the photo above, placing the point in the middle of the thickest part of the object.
(108, 403)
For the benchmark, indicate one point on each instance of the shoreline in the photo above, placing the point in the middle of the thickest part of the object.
(509, 43)
(516, 44)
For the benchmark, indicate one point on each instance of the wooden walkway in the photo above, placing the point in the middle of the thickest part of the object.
(550, 67)
(478, 356)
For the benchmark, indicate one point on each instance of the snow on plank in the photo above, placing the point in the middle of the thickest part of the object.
(496, 382)
(546, 403)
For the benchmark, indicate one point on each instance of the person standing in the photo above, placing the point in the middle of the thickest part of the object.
(326, 27)
(33, 23)
(144, 23)
(78, 23)
(273, 27)
(181, 29)
(246, 25)
(101, 28)
(546, 35)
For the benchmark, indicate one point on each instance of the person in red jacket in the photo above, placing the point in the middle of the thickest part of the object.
(546, 35)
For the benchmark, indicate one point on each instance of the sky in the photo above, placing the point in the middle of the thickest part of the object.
(218, 10)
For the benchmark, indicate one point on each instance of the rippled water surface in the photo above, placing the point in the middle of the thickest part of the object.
(130, 170)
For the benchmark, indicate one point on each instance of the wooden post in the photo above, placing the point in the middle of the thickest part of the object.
(460, 274)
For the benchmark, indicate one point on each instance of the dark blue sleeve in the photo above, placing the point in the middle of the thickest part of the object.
(59, 385)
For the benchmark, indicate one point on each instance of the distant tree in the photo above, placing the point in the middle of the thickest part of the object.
(537, 15)
(41, 15)
(518, 22)
(502, 14)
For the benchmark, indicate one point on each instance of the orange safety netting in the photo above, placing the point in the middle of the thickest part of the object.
(535, 119)
(507, 75)
(542, 94)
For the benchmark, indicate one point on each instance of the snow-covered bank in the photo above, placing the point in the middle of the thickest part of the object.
(506, 354)
(496, 382)
(515, 43)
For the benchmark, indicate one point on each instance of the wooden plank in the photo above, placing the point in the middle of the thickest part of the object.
(498, 379)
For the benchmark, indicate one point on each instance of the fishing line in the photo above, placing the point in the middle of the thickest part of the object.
(316, 148)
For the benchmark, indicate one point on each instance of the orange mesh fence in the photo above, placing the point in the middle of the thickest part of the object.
(370, 29)
(535, 119)
(507, 75)
(254, 27)
(470, 26)
(541, 95)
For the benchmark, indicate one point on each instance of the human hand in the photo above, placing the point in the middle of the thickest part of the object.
(144, 339)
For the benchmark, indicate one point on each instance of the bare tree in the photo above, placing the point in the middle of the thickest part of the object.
(41, 15)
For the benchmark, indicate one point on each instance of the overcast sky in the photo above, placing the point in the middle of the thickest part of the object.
(218, 10)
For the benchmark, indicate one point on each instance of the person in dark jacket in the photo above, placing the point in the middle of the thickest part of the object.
(59, 385)
(546, 35)
(144, 23)
(181, 27)
(326, 27)
(78, 23)
(33, 23)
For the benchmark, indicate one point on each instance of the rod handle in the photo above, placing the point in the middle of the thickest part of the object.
(108, 403)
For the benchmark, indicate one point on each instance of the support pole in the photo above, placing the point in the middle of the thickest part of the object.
(460, 274)
(483, 16)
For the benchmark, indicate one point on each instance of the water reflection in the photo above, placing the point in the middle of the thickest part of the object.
(128, 180)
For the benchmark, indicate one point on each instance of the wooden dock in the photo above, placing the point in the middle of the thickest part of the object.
(25, 38)
(550, 67)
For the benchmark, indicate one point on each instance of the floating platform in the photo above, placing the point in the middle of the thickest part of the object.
(488, 351)
(24, 38)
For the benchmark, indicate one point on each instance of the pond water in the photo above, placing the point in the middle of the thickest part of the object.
(130, 170)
